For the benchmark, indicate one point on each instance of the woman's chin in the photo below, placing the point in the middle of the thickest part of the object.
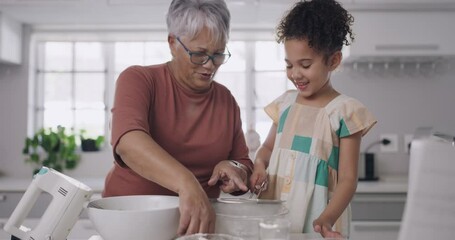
(202, 85)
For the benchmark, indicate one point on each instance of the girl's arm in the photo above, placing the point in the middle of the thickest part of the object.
(262, 159)
(346, 186)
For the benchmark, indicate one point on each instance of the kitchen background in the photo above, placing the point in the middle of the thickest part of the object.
(407, 87)
(401, 66)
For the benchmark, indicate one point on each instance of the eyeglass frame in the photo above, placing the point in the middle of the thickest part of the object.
(209, 57)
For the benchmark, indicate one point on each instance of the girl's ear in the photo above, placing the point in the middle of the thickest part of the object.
(335, 60)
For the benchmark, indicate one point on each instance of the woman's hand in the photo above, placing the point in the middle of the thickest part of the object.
(232, 178)
(324, 227)
(196, 213)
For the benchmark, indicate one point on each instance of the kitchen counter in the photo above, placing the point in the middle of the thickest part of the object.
(84, 230)
(386, 184)
(21, 184)
(294, 236)
(388, 187)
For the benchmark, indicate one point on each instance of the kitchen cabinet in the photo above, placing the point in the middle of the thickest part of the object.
(9, 200)
(401, 1)
(401, 36)
(377, 215)
(11, 192)
(398, 4)
(82, 229)
(10, 40)
(12, 189)
(374, 230)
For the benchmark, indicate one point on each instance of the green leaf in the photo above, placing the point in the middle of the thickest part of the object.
(58, 168)
(53, 148)
(71, 164)
(47, 163)
(52, 157)
(34, 157)
(35, 142)
(99, 141)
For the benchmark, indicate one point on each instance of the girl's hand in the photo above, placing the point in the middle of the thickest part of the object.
(325, 229)
(258, 177)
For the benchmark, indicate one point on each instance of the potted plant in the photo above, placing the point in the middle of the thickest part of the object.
(90, 144)
(52, 148)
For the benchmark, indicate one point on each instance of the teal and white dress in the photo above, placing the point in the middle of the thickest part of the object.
(304, 162)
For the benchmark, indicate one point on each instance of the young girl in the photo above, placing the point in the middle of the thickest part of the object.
(310, 156)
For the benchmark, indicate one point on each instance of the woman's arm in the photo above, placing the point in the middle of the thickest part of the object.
(144, 156)
(346, 186)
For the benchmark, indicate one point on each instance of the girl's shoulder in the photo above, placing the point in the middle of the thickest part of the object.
(287, 97)
(348, 115)
(343, 104)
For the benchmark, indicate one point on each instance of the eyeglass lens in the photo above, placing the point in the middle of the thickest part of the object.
(201, 58)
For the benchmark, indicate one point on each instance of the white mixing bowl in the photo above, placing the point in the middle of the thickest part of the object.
(141, 217)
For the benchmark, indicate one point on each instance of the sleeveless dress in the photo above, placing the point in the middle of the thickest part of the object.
(304, 162)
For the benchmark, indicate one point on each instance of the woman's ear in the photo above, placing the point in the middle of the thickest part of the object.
(171, 42)
(335, 60)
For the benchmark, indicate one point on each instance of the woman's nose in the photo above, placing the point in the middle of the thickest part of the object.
(209, 64)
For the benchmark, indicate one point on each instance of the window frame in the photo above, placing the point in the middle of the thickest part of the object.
(108, 39)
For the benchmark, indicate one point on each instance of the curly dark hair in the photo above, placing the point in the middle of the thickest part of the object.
(323, 23)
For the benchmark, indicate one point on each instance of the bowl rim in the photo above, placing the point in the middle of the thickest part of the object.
(94, 208)
(282, 213)
(209, 234)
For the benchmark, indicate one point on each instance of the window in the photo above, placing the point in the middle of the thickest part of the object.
(72, 80)
(270, 81)
(76, 80)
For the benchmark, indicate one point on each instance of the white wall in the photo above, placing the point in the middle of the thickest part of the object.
(401, 103)
(13, 116)
(14, 87)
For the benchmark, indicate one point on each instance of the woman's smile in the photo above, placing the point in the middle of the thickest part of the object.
(206, 76)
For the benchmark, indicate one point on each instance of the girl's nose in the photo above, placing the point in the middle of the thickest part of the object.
(295, 75)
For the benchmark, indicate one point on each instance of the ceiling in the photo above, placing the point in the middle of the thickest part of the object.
(151, 13)
(246, 14)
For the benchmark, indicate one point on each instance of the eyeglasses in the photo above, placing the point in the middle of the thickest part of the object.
(201, 58)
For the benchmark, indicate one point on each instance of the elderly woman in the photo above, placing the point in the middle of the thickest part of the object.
(175, 131)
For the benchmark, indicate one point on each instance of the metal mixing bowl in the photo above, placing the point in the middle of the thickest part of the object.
(204, 236)
(242, 219)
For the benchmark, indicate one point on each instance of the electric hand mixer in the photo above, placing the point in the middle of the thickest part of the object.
(68, 199)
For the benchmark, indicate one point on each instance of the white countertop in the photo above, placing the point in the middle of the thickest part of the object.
(386, 184)
(295, 236)
(84, 230)
(21, 184)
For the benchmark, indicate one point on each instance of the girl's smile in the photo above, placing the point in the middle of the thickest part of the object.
(310, 71)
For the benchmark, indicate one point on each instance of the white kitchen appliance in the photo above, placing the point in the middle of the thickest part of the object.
(430, 204)
(68, 199)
